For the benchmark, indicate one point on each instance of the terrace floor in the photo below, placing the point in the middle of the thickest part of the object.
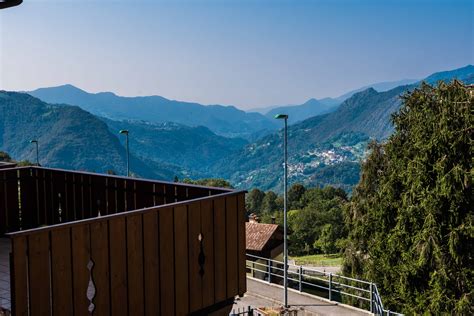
(260, 293)
(5, 273)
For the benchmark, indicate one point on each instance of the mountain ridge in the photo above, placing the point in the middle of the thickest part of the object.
(68, 137)
(366, 114)
(223, 120)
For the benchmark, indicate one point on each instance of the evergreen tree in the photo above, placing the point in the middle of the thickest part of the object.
(254, 201)
(269, 204)
(295, 193)
(411, 218)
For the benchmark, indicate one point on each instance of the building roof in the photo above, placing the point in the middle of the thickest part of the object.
(259, 235)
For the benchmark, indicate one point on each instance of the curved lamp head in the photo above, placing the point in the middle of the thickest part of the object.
(281, 116)
(9, 3)
(123, 131)
(33, 141)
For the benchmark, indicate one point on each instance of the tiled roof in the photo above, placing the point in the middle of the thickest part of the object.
(258, 235)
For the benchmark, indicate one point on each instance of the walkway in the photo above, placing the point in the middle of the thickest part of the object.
(260, 293)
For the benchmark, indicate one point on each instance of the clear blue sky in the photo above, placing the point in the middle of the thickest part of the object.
(246, 53)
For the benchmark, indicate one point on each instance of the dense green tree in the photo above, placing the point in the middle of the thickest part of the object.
(5, 156)
(295, 193)
(269, 204)
(411, 218)
(25, 163)
(254, 201)
(322, 208)
(211, 182)
(327, 240)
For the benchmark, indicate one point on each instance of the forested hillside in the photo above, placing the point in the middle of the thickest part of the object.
(325, 149)
(192, 148)
(68, 138)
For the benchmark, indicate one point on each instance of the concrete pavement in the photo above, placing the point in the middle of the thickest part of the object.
(260, 293)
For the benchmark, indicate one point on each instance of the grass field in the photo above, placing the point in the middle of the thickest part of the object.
(319, 260)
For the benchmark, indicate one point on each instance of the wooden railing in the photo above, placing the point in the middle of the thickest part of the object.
(34, 197)
(184, 255)
(5, 165)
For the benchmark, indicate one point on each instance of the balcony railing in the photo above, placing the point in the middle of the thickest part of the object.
(85, 243)
(334, 287)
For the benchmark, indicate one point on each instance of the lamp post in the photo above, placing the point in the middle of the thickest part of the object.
(285, 207)
(34, 141)
(125, 132)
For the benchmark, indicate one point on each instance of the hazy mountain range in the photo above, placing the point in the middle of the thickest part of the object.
(329, 143)
(223, 120)
(172, 138)
(314, 107)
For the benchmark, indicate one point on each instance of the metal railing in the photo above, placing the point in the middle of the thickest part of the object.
(242, 311)
(335, 287)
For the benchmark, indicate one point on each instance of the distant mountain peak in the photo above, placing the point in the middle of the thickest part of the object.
(67, 86)
(107, 93)
(463, 73)
(311, 101)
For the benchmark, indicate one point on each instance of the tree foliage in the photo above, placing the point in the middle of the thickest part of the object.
(254, 201)
(411, 216)
(5, 156)
(210, 182)
(295, 193)
(319, 226)
(269, 204)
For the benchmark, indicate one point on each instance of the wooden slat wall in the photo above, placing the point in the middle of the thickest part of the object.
(167, 261)
(28, 199)
(181, 261)
(220, 255)
(9, 206)
(50, 196)
(151, 263)
(194, 249)
(99, 232)
(62, 272)
(232, 246)
(3, 207)
(141, 263)
(242, 243)
(207, 228)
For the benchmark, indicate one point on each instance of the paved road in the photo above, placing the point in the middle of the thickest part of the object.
(263, 294)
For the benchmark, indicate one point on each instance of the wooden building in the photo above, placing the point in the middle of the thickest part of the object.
(92, 244)
(264, 245)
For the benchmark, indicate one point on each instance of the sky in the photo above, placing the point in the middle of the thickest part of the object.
(247, 53)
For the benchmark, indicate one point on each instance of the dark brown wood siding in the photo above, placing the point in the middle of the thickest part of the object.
(168, 259)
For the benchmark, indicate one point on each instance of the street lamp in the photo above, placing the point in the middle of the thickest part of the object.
(285, 208)
(124, 131)
(34, 141)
